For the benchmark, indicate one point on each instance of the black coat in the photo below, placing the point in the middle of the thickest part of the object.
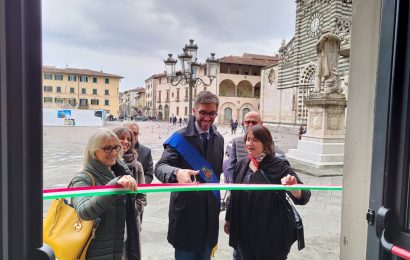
(193, 216)
(271, 232)
(145, 158)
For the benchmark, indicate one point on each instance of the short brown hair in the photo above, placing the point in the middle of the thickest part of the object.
(262, 134)
(206, 97)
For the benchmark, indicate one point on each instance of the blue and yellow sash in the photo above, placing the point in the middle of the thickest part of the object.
(195, 160)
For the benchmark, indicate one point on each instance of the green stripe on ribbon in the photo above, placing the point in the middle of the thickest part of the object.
(166, 188)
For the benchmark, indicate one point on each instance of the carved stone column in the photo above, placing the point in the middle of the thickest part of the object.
(323, 143)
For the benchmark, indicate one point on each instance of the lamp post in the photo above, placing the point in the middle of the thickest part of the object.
(189, 70)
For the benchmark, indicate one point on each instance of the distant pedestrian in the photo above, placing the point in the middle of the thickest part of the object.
(234, 125)
(170, 119)
(302, 131)
(174, 121)
(180, 121)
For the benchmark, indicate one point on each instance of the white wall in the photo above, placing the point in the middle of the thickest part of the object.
(359, 128)
(72, 117)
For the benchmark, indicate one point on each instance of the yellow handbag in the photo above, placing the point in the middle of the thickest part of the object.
(65, 232)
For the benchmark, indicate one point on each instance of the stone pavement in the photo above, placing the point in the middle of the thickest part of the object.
(63, 148)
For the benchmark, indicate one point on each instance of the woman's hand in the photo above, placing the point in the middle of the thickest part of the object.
(291, 180)
(127, 181)
(227, 227)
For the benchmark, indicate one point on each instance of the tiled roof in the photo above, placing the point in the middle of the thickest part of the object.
(260, 57)
(74, 71)
(251, 59)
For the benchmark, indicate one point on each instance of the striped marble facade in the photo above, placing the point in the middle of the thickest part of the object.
(298, 57)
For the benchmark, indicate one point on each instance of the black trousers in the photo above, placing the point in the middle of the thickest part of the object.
(247, 254)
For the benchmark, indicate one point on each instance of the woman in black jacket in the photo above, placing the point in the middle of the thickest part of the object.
(133, 241)
(257, 221)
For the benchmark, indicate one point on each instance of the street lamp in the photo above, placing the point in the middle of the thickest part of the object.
(190, 69)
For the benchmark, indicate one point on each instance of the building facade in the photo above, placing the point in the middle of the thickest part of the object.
(80, 89)
(237, 84)
(132, 102)
(291, 82)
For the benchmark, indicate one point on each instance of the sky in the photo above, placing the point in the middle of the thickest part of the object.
(131, 38)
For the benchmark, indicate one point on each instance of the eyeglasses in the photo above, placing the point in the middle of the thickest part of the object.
(210, 114)
(248, 122)
(135, 133)
(110, 148)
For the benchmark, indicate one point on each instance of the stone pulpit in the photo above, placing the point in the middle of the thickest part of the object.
(323, 143)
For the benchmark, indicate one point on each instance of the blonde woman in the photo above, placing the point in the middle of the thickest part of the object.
(102, 160)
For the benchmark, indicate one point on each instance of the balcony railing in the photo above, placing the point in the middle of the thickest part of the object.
(83, 106)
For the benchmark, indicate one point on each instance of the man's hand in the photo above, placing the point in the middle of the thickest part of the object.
(227, 227)
(184, 175)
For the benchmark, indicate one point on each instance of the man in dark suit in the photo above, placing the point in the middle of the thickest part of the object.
(194, 216)
(144, 153)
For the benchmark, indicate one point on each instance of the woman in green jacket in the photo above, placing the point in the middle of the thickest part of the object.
(101, 160)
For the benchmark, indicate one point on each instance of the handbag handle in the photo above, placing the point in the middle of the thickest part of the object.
(283, 200)
(92, 179)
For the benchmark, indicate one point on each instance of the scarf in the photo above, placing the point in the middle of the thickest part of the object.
(256, 159)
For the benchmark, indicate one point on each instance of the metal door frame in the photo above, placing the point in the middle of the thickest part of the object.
(390, 162)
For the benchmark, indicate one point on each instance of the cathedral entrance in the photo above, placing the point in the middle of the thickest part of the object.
(227, 114)
(307, 77)
(244, 112)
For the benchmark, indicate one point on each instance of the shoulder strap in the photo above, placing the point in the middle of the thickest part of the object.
(285, 201)
(89, 174)
(92, 177)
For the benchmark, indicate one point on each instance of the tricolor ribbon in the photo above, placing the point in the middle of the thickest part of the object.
(171, 187)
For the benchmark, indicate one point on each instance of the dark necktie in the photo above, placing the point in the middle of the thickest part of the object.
(204, 137)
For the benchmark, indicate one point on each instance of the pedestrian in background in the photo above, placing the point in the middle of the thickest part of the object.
(302, 131)
(102, 160)
(257, 222)
(126, 138)
(201, 209)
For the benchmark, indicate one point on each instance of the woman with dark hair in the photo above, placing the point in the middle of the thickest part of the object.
(130, 156)
(256, 221)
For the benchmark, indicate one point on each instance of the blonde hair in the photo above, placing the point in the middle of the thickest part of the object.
(95, 142)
